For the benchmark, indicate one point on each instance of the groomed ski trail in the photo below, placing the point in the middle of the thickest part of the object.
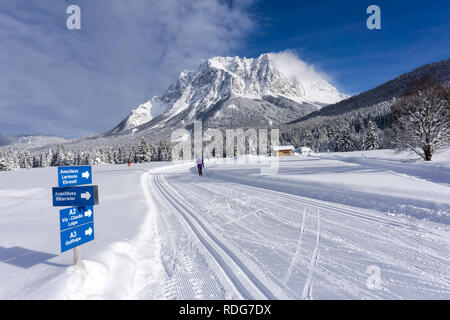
(257, 243)
(226, 260)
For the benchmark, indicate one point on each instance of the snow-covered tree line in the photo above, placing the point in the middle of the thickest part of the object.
(416, 118)
(144, 151)
(363, 129)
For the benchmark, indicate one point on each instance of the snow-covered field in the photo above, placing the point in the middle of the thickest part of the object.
(360, 225)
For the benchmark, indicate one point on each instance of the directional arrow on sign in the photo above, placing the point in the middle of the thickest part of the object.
(85, 174)
(88, 213)
(77, 236)
(88, 232)
(75, 196)
(74, 217)
(85, 195)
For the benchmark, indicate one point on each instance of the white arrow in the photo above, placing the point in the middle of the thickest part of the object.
(85, 174)
(86, 195)
(88, 232)
(88, 213)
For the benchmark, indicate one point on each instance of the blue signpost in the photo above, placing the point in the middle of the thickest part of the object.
(73, 217)
(74, 176)
(77, 222)
(75, 196)
(75, 237)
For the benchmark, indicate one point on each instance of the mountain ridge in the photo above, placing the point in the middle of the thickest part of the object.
(218, 78)
(387, 91)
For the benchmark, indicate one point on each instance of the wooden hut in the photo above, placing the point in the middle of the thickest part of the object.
(280, 151)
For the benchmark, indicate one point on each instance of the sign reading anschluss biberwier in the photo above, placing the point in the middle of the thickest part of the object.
(75, 196)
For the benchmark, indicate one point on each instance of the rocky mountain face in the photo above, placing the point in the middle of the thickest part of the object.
(231, 92)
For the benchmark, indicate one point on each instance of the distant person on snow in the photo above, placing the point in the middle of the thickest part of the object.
(200, 166)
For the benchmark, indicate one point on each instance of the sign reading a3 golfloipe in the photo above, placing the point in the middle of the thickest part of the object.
(76, 222)
(76, 226)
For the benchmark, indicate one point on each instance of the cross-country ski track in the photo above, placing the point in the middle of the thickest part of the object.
(225, 238)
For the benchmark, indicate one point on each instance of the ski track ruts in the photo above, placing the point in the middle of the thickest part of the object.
(185, 277)
(256, 210)
(313, 202)
(341, 210)
(313, 260)
(380, 257)
(297, 251)
(282, 286)
(403, 233)
(355, 214)
(227, 261)
(262, 269)
(307, 289)
(359, 215)
(241, 287)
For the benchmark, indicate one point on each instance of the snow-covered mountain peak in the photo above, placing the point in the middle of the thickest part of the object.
(277, 75)
(217, 78)
(239, 65)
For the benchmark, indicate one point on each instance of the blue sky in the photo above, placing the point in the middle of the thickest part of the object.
(73, 83)
(332, 35)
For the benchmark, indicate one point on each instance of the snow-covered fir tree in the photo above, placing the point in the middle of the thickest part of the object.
(164, 153)
(345, 142)
(143, 152)
(119, 156)
(372, 139)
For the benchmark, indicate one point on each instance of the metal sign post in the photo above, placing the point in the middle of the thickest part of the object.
(77, 257)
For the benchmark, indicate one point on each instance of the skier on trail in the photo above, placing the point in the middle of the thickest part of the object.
(200, 164)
